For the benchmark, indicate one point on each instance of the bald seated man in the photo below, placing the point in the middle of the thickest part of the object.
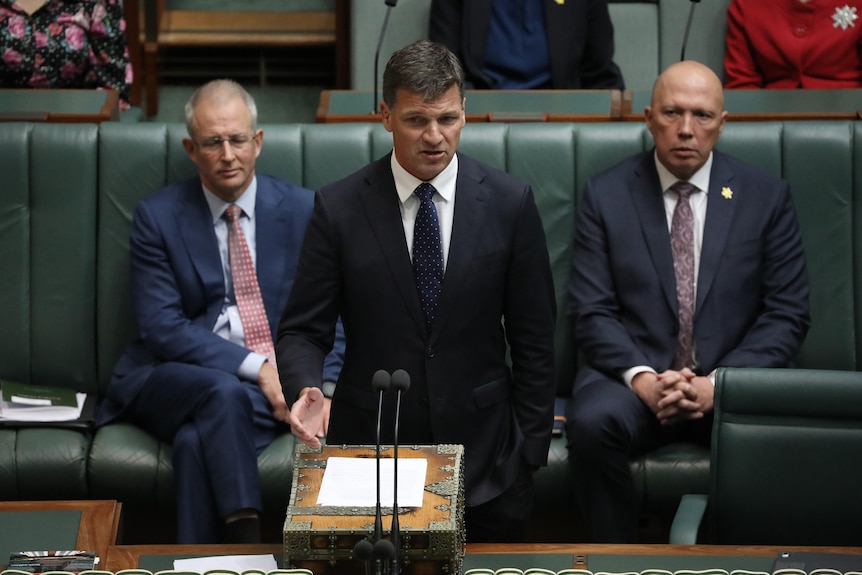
(685, 260)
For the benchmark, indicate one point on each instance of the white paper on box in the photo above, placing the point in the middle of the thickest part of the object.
(352, 482)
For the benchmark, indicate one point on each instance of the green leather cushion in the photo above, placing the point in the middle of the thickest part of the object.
(129, 464)
(44, 463)
(786, 455)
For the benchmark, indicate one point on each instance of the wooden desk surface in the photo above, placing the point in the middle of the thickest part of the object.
(768, 105)
(97, 530)
(127, 556)
(58, 105)
(336, 106)
(607, 105)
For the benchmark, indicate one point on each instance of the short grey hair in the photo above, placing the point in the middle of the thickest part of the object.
(219, 90)
(424, 67)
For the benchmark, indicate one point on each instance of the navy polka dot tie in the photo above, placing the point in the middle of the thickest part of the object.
(427, 254)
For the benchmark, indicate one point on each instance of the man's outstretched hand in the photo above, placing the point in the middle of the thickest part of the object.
(309, 416)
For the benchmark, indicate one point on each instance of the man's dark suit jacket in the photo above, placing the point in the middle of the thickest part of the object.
(178, 281)
(580, 41)
(497, 289)
(752, 288)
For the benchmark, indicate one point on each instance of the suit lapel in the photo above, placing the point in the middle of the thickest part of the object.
(719, 215)
(383, 211)
(471, 202)
(649, 203)
(271, 252)
(194, 220)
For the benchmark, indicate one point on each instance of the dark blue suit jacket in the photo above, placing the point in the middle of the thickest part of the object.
(752, 290)
(580, 41)
(178, 286)
(497, 289)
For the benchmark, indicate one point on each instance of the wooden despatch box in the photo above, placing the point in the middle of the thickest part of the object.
(322, 538)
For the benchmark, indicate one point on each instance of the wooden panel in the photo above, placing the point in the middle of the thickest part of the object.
(189, 28)
(58, 105)
(100, 520)
(275, 29)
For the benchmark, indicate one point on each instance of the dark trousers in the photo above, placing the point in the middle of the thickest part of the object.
(218, 424)
(606, 425)
(504, 518)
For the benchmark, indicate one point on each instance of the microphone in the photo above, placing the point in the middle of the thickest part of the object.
(687, 29)
(379, 382)
(400, 382)
(389, 5)
(364, 551)
(384, 551)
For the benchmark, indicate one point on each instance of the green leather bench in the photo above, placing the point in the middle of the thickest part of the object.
(64, 234)
(785, 461)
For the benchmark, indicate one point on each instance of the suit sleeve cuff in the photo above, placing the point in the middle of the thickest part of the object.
(250, 366)
(629, 374)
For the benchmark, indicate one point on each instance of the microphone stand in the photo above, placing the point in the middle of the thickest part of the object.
(687, 29)
(389, 6)
(400, 382)
(396, 536)
(379, 382)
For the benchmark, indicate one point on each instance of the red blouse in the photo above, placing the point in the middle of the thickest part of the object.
(791, 44)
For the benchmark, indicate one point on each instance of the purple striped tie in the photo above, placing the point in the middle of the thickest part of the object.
(682, 246)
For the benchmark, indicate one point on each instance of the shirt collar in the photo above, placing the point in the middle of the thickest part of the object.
(406, 183)
(700, 179)
(246, 201)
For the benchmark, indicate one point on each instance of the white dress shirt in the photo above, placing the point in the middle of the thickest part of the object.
(228, 324)
(698, 202)
(444, 201)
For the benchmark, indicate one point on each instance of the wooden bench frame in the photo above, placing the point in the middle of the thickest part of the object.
(181, 28)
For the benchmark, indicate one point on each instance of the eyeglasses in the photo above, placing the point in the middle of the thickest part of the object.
(215, 144)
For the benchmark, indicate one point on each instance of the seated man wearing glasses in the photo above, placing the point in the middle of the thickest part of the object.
(212, 262)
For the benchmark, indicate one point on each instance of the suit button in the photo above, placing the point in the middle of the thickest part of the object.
(429, 352)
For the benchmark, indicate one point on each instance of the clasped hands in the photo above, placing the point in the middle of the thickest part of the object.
(675, 396)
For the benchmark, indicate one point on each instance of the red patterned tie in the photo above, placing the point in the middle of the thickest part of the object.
(682, 246)
(255, 326)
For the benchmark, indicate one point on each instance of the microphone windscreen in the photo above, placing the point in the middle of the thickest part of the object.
(380, 380)
(391, 3)
(400, 380)
(384, 549)
(363, 549)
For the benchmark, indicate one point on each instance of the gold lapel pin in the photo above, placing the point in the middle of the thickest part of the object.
(726, 193)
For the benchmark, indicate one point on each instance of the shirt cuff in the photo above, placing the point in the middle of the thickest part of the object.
(629, 374)
(328, 389)
(250, 366)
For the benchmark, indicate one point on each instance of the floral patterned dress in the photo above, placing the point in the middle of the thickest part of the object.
(65, 44)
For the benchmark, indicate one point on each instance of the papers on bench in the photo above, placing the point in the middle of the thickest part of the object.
(230, 563)
(37, 403)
